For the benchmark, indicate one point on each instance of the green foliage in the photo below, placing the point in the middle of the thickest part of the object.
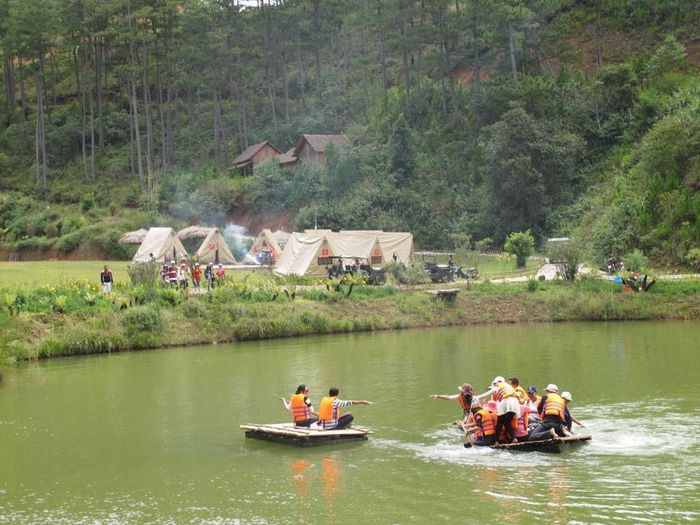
(567, 257)
(533, 285)
(142, 319)
(693, 259)
(144, 274)
(636, 261)
(521, 245)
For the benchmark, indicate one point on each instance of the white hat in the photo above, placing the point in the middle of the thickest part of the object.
(552, 388)
(498, 379)
(567, 396)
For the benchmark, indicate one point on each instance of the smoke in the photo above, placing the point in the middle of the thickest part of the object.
(238, 240)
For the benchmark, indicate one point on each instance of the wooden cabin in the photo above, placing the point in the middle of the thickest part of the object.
(312, 148)
(253, 156)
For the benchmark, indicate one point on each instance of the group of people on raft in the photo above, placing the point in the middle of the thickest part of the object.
(507, 413)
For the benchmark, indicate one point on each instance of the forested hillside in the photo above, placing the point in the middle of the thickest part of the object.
(466, 119)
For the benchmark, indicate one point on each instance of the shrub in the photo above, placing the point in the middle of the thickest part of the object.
(520, 244)
(532, 285)
(566, 256)
(140, 319)
(68, 243)
(636, 261)
(144, 274)
(693, 259)
(484, 245)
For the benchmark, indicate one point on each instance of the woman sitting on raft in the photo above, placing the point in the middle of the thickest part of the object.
(300, 407)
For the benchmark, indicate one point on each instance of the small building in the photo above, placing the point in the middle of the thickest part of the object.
(253, 156)
(311, 149)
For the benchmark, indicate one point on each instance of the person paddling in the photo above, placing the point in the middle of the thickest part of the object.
(568, 417)
(329, 415)
(301, 408)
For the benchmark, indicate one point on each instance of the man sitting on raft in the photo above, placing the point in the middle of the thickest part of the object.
(551, 408)
(329, 411)
(300, 407)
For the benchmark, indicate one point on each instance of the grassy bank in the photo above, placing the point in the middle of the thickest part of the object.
(76, 319)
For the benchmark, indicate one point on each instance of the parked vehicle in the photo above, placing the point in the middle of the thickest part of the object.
(341, 266)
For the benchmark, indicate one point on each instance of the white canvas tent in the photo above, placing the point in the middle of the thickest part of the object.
(215, 250)
(365, 244)
(399, 243)
(162, 244)
(305, 254)
(265, 240)
(281, 237)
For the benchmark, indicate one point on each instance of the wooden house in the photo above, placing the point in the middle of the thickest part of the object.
(253, 156)
(312, 148)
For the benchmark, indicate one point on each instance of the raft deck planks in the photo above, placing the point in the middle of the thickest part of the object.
(543, 445)
(289, 434)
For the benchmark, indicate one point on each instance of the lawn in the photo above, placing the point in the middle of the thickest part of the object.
(495, 266)
(31, 274)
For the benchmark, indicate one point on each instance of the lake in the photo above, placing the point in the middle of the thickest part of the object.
(153, 437)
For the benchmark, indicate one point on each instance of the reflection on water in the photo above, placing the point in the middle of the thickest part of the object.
(154, 437)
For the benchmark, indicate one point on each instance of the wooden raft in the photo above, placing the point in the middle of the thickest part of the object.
(289, 434)
(542, 445)
(447, 294)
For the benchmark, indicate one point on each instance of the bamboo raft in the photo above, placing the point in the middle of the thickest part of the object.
(290, 434)
(556, 445)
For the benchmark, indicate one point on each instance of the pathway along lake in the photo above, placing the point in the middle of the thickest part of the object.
(153, 437)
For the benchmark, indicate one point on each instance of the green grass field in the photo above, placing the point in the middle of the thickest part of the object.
(31, 274)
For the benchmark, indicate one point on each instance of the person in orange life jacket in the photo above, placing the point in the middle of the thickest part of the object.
(551, 410)
(464, 399)
(329, 410)
(507, 405)
(568, 417)
(106, 279)
(300, 407)
(532, 401)
(484, 426)
(519, 391)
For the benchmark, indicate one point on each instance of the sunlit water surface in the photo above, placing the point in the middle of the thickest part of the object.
(153, 437)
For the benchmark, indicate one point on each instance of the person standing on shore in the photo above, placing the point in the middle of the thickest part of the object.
(196, 277)
(106, 279)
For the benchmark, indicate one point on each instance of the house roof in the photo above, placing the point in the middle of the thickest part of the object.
(247, 154)
(319, 143)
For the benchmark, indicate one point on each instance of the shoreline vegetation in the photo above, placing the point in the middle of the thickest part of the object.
(77, 319)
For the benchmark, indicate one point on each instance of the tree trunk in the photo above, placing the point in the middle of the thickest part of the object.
(9, 75)
(22, 96)
(285, 78)
(162, 120)
(598, 36)
(81, 98)
(137, 132)
(40, 135)
(150, 148)
(97, 49)
(511, 52)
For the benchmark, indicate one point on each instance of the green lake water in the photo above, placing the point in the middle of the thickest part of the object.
(154, 437)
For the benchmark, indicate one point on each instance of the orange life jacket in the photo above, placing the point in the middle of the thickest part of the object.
(504, 391)
(300, 410)
(554, 406)
(487, 426)
(326, 412)
(463, 403)
(520, 392)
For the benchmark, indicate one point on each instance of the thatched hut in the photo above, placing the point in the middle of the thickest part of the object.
(134, 237)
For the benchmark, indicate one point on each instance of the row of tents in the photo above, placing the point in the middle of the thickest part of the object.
(299, 253)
